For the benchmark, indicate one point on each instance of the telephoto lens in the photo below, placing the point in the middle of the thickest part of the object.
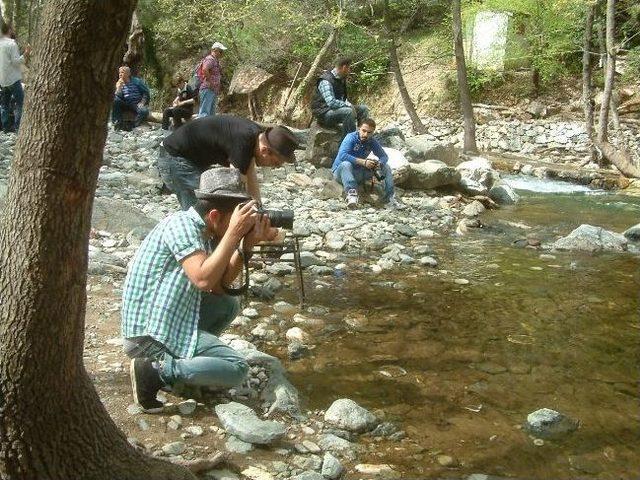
(279, 218)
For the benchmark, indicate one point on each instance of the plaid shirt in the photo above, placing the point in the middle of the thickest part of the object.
(211, 66)
(158, 298)
(326, 90)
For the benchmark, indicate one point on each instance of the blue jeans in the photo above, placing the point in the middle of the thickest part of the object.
(350, 176)
(181, 176)
(119, 106)
(16, 93)
(208, 100)
(214, 364)
(345, 116)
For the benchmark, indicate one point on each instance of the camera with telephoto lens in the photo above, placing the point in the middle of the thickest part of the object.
(278, 218)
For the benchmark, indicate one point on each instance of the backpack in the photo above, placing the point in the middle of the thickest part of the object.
(197, 77)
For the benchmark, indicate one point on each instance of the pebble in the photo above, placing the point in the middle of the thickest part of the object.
(187, 407)
(461, 281)
(447, 461)
(174, 448)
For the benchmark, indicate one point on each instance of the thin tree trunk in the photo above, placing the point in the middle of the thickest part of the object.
(394, 64)
(603, 124)
(287, 110)
(620, 158)
(587, 87)
(463, 86)
(7, 10)
(52, 422)
(135, 46)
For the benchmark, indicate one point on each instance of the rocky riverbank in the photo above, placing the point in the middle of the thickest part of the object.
(264, 424)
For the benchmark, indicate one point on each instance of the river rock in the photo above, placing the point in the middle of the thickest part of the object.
(431, 174)
(633, 233)
(118, 216)
(547, 423)
(337, 445)
(503, 194)
(308, 475)
(423, 147)
(174, 448)
(222, 475)
(477, 176)
(187, 407)
(347, 414)
(243, 422)
(592, 239)
(474, 209)
(322, 145)
(255, 473)
(331, 467)
(235, 445)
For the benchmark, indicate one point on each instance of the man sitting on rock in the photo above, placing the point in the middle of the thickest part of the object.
(330, 105)
(224, 140)
(182, 108)
(132, 95)
(174, 303)
(352, 167)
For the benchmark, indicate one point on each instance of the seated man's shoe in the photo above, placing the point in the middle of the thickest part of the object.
(145, 383)
(394, 204)
(352, 199)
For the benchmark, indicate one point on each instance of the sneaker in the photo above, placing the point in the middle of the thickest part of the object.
(145, 383)
(352, 199)
(394, 204)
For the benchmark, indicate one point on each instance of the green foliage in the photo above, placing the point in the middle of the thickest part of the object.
(632, 71)
(545, 34)
(480, 80)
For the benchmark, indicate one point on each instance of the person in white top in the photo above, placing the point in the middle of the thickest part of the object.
(11, 79)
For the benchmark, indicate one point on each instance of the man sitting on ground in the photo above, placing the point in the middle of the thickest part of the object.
(330, 105)
(132, 95)
(182, 108)
(174, 302)
(224, 140)
(352, 167)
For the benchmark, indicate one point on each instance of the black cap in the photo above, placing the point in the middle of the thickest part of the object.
(283, 141)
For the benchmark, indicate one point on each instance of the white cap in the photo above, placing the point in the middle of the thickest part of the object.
(218, 46)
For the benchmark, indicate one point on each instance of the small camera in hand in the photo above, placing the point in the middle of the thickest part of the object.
(378, 174)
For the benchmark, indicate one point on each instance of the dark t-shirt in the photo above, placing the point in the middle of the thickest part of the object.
(220, 139)
(187, 93)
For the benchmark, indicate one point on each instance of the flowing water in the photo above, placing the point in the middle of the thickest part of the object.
(459, 366)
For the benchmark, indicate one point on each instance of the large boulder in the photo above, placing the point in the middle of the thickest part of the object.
(322, 145)
(242, 421)
(503, 194)
(477, 176)
(431, 174)
(422, 147)
(592, 239)
(399, 164)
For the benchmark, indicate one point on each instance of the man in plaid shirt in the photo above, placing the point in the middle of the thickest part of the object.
(330, 105)
(210, 74)
(174, 303)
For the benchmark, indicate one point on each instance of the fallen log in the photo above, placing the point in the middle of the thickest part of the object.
(620, 158)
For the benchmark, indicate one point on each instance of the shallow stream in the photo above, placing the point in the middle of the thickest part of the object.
(459, 366)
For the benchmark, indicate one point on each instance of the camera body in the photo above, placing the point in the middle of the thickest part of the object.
(278, 218)
(378, 174)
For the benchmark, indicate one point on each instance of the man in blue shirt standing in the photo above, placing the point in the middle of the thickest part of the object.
(352, 167)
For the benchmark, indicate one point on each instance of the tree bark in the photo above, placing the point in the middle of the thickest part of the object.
(52, 422)
(134, 55)
(394, 64)
(463, 86)
(587, 87)
(603, 124)
(301, 89)
(620, 158)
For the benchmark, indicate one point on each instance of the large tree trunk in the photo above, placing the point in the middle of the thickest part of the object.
(587, 87)
(294, 100)
(52, 423)
(394, 64)
(463, 86)
(603, 124)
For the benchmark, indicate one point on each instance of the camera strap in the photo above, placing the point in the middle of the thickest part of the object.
(236, 292)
